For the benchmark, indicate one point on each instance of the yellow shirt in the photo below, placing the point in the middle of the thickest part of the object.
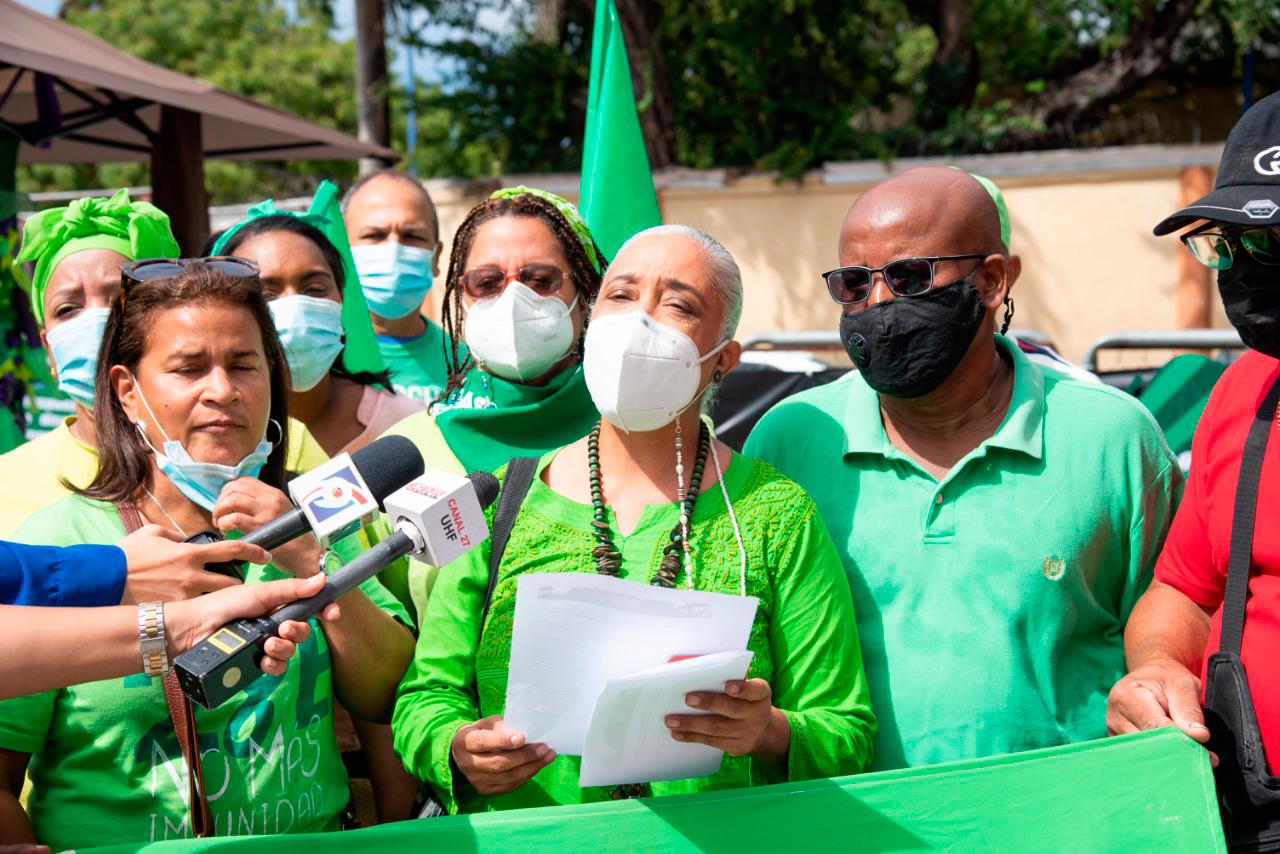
(33, 473)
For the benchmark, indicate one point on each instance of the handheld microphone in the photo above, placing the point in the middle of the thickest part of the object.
(341, 496)
(437, 517)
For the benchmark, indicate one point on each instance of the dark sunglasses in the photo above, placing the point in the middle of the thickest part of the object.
(153, 269)
(1215, 245)
(484, 282)
(906, 277)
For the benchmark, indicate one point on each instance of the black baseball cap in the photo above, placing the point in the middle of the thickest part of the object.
(1247, 191)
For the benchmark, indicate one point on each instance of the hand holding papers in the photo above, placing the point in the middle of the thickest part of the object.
(574, 633)
(627, 739)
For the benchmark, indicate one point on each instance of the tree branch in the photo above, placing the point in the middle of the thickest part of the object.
(1118, 75)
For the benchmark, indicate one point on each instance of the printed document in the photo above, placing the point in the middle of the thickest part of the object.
(573, 633)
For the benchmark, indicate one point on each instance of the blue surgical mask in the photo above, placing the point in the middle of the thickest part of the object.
(311, 332)
(201, 482)
(395, 278)
(74, 346)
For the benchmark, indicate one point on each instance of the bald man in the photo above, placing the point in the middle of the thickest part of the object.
(997, 519)
(395, 241)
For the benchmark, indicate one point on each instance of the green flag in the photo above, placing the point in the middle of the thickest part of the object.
(617, 196)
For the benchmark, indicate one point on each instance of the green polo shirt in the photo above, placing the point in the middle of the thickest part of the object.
(991, 605)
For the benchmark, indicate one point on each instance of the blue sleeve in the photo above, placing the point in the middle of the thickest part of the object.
(82, 576)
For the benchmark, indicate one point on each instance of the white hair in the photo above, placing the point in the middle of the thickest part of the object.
(726, 278)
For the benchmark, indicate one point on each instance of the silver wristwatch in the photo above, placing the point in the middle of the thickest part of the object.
(155, 646)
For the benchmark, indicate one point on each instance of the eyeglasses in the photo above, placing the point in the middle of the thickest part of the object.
(482, 282)
(154, 269)
(1212, 244)
(906, 277)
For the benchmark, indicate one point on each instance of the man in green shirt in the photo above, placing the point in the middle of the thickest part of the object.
(997, 519)
(395, 240)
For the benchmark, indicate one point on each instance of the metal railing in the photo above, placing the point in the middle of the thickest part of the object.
(821, 339)
(1163, 339)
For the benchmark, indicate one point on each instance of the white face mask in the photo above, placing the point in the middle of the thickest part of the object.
(518, 335)
(641, 374)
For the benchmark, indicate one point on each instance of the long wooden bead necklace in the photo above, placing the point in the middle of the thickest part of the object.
(677, 551)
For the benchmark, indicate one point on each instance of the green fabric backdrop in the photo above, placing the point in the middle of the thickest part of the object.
(1152, 792)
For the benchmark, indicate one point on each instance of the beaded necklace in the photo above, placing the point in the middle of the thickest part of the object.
(607, 557)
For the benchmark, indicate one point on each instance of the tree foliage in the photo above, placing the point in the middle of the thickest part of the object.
(780, 85)
(788, 84)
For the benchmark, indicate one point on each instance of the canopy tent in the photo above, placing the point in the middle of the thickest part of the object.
(68, 97)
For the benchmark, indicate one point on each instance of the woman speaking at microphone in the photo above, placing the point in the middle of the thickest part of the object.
(339, 391)
(191, 392)
(650, 497)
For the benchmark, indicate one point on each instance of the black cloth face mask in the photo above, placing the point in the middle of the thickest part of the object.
(908, 346)
(1251, 295)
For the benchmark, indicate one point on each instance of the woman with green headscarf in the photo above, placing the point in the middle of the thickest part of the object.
(522, 275)
(339, 388)
(78, 251)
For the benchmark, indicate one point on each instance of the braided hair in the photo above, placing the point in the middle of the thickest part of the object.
(581, 269)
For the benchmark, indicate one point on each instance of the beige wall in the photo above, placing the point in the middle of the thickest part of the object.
(1090, 263)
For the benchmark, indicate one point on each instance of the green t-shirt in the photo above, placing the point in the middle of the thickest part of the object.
(416, 364)
(991, 606)
(804, 637)
(105, 763)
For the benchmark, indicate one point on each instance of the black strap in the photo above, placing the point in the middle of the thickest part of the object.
(515, 486)
(1240, 557)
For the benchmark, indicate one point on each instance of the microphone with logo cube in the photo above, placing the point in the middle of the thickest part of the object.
(435, 518)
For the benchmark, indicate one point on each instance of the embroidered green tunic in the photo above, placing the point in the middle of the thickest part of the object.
(804, 637)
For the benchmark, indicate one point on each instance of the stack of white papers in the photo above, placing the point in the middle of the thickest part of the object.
(598, 662)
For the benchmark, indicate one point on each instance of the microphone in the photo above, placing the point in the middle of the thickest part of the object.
(342, 495)
(437, 517)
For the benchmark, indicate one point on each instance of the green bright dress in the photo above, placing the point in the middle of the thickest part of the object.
(106, 767)
(804, 637)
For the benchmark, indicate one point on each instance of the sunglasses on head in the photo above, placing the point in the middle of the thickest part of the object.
(906, 277)
(1215, 245)
(154, 269)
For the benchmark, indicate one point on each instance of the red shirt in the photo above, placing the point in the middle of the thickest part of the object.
(1194, 560)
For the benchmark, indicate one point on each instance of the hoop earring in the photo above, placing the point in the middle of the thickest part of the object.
(1008, 315)
(279, 430)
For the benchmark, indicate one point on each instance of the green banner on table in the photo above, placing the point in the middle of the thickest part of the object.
(1152, 791)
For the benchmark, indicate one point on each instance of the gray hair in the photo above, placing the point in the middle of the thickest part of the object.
(726, 278)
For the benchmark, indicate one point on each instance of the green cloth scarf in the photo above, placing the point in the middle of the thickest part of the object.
(134, 229)
(567, 210)
(360, 349)
(525, 421)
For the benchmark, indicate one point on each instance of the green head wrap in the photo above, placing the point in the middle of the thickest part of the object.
(996, 196)
(134, 229)
(576, 222)
(360, 349)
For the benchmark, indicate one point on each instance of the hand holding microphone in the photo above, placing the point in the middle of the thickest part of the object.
(438, 516)
(334, 499)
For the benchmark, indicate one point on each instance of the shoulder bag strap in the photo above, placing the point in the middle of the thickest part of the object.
(515, 486)
(1242, 522)
(183, 718)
